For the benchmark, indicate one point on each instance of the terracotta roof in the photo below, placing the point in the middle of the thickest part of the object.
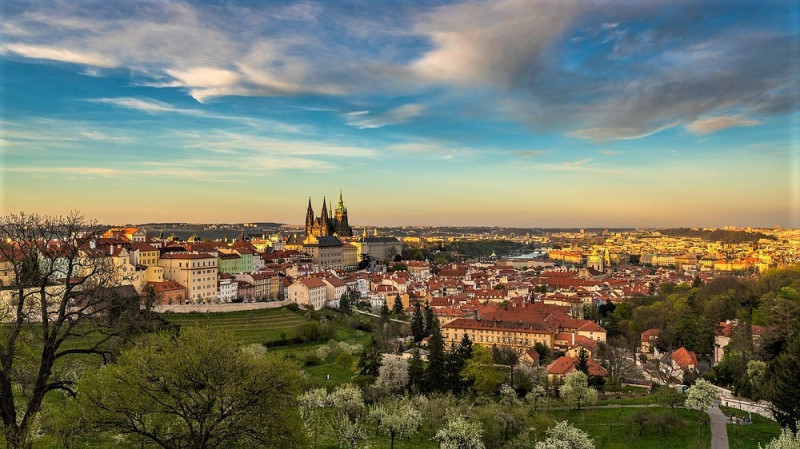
(684, 358)
(312, 282)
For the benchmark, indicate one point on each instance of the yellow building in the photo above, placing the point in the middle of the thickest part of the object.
(517, 335)
(196, 272)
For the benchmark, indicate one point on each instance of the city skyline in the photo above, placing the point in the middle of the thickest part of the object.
(507, 113)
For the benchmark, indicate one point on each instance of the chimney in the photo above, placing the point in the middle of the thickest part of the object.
(573, 338)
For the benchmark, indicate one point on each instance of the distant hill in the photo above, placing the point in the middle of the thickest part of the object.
(717, 235)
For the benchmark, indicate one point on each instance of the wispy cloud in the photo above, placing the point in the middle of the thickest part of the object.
(59, 54)
(433, 149)
(608, 152)
(151, 106)
(710, 125)
(530, 153)
(366, 119)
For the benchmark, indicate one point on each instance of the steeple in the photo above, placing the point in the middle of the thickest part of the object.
(324, 217)
(340, 207)
(309, 218)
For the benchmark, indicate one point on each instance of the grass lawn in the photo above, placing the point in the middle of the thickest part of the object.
(749, 436)
(609, 429)
(249, 326)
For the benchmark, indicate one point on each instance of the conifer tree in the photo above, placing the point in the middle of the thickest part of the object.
(429, 319)
(417, 324)
(435, 372)
(385, 310)
(370, 361)
(398, 306)
(416, 372)
(582, 364)
(785, 387)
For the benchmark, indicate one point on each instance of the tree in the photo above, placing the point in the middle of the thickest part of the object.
(576, 390)
(370, 361)
(785, 384)
(385, 310)
(436, 371)
(460, 434)
(504, 355)
(582, 364)
(480, 371)
(456, 360)
(393, 374)
(400, 420)
(198, 389)
(431, 321)
(670, 397)
(416, 372)
(397, 307)
(344, 304)
(417, 325)
(311, 404)
(344, 360)
(701, 395)
(62, 289)
(565, 436)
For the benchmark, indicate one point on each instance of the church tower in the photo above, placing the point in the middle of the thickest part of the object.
(324, 224)
(309, 218)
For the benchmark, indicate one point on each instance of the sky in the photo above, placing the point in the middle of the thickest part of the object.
(522, 113)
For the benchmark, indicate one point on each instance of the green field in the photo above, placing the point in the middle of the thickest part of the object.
(609, 429)
(249, 326)
(749, 436)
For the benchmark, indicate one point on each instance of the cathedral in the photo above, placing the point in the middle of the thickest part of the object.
(327, 224)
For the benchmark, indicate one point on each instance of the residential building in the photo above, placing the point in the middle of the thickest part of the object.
(308, 292)
(196, 272)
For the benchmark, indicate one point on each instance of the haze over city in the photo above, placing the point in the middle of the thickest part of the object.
(510, 113)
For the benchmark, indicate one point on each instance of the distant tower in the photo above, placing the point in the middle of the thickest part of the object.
(323, 222)
(309, 218)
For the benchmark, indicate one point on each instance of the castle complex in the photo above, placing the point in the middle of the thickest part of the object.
(327, 224)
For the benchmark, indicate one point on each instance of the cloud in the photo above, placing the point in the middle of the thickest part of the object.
(248, 145)
(609, 152)
(60, 54)
(713, 124)
(499, 42)
(365, 119)
(530, 153)
(434, 149)
(151, 106)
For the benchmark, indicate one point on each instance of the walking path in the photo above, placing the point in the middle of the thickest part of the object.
(719, 428)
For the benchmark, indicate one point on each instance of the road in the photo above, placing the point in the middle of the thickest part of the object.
(719, 428)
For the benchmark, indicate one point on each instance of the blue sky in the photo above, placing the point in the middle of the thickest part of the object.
(519, 113)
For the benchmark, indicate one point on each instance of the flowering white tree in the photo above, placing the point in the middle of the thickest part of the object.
(701, 395)
(399, 420)
(311, 404)
(536, 396)
(349, 434)
(786, 440)
(347, 399)
(393, 374)
(576, 390)
(460, 434)
(565, 436)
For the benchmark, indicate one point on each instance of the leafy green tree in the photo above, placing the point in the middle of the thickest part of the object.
(199, 389)
(417, 325)
(565, 436)
(576, 390)
(480, 371)
(344, 360)
(785, 384)
(670, 397)
(460, 434)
